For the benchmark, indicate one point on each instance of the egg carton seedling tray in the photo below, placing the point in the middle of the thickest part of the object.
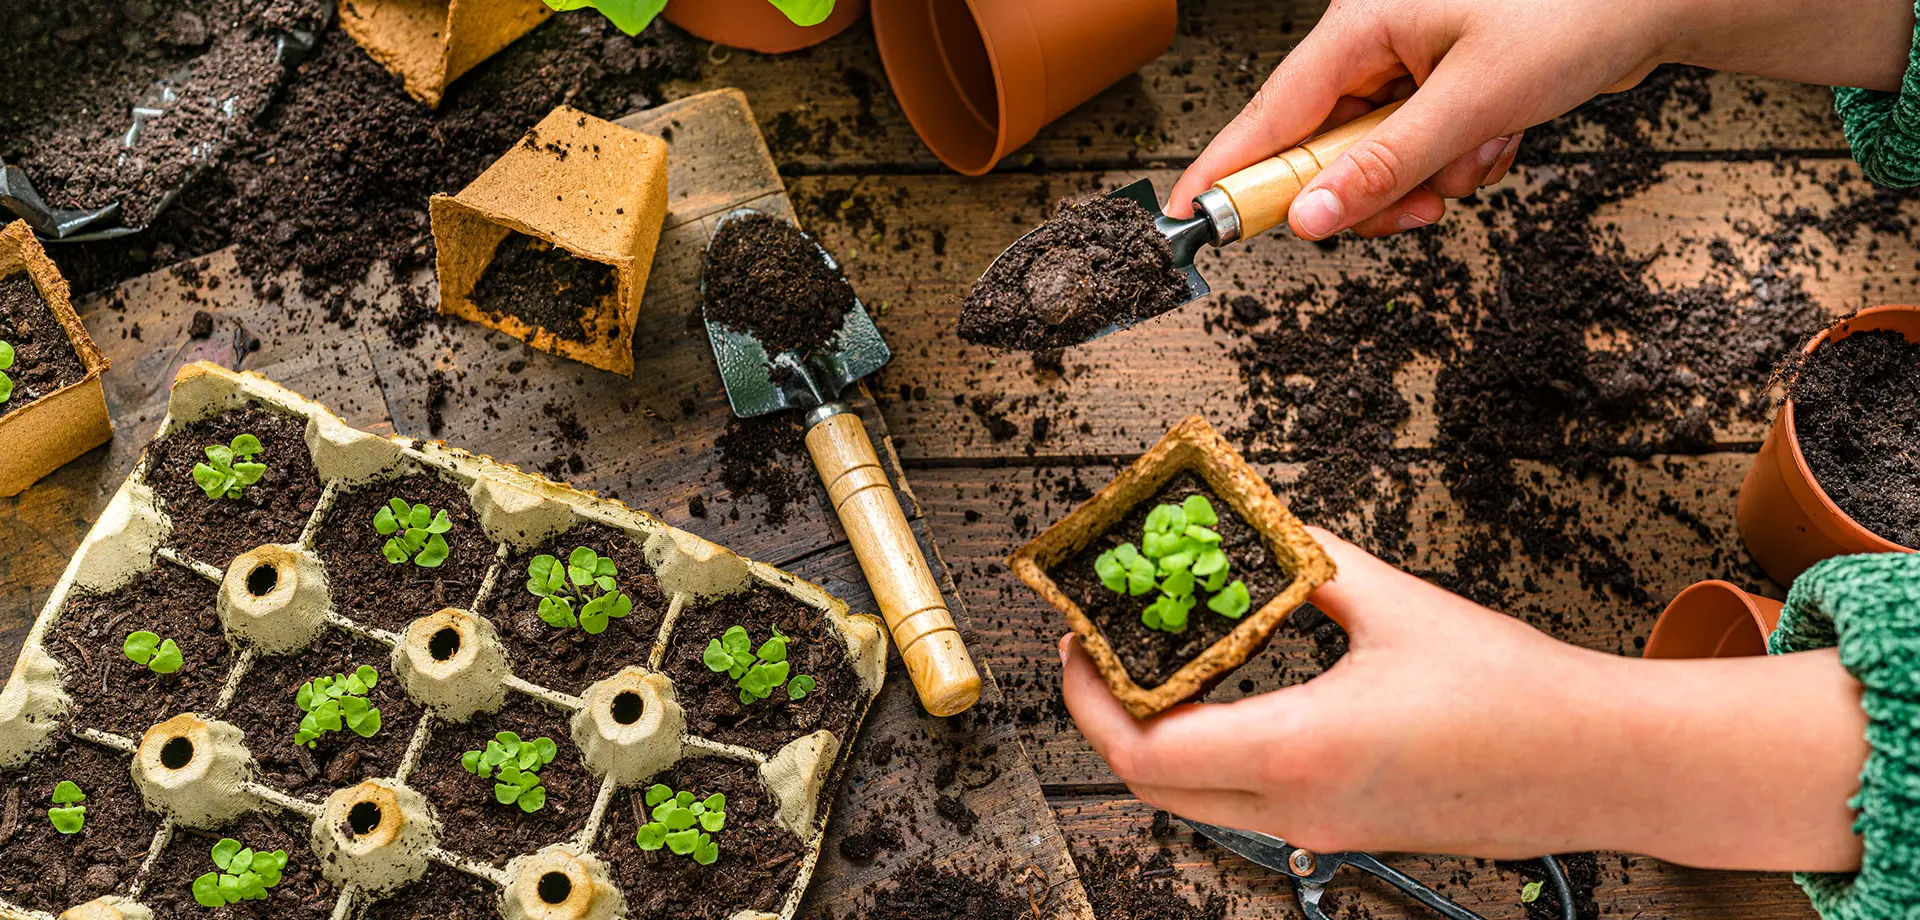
(447, 673)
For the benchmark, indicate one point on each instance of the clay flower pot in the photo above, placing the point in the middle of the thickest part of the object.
(1713, 619)
(979, 78)
(757, 25)
(44, 435)
(428, 44)
(1785, 518)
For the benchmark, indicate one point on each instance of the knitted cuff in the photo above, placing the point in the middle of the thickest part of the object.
(1870, 607)
(1884, 128)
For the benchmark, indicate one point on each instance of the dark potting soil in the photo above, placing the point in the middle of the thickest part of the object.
(301, 895)
(1122, 885)
(568, 660)
(759, 858)
(50, 871)
(1583, 876)
(265, 710)
(43, 358)
(475, 823)
(273, 510)
(445, 893)
(926, 891)
(1153, 655)
(765, 277)
(110, 691)
(375, 592)
(542, 285)
(767, 456)
(1097, 263)
(712, 699)
(1856, 409)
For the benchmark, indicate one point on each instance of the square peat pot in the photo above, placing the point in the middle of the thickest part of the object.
(221, 726)
(428, 44)
(1291, 566)
(49, 432)
(558, 232)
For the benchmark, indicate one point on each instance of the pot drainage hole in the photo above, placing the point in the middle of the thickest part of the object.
(263, 579)
(363, 818)
(176, 753)
(627, 707)
(445, 644)
(555, 887)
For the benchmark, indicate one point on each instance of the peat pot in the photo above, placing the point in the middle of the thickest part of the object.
(46, 434)
(428, 44)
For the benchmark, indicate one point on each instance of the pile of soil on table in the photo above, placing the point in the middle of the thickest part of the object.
(1098, 263)
(50, 871)
(767, 457)
(43, 357)
(1153, 655)
(273, 510)
(376, 592)
(766, 278)
(759, 859)
(454, 894)
(569, 660)
(473, 822)
(542, 285)
(1856, 410)
(303, 894)
(266, 711)
(113, 693)
(1122, 885)
(927, 891)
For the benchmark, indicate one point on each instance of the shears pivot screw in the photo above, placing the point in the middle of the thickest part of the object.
(1301, 862)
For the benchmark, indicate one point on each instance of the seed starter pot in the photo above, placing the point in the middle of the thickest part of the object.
(368, 839)
(49, 432)
(428, 44)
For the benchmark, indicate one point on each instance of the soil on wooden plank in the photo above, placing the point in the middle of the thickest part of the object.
(1152, 655)
(568, 660)
(766, 278)
(445, 893)
(265, 710)
(50, 871)
(767, 456)
(475, 823)
(1856, 410)
(759, 858)
(1123, 885)
(301, 895)
(925, 890)
(110, 691)
(712, 699)
(273, 510)
(376, 592)
(1583, 876)
(543, 285)
(43, 358)
(1098, 263)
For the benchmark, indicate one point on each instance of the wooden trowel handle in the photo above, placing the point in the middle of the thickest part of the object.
(1263, 192)
(903, 585)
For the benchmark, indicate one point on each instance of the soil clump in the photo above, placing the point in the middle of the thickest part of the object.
(569, 660)
(1856, 410)
(113, 693)
(43, 357)
(49, 871)
(273, 510)
(759, 859)
(542, 285)
(374, 591)
(766, 278)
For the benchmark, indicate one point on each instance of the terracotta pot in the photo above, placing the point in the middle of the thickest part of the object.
(757, 25)
(1785, 518)
(978, 78)
(1713, 619)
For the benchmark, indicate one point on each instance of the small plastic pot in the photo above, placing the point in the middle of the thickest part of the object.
(979, 78)
(1713, 619)
(757, 25)
(1785, 518)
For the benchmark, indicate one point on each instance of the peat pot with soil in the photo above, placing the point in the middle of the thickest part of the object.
(428, 44)
(1178, 571)
(52, 406)
(302, 671)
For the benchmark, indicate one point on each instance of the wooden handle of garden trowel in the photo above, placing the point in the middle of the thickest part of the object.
(1263, 192)
(903, 586)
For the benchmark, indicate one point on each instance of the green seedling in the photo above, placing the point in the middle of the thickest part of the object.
(331, 703)
(579, 592)
(6, 364)
(758, 672)
(244, 875)
(161, 656)
(68, 815)
(683, 823)
(632, 16)
(1530, 892)
(1179, 554)
(230, 469)
(518, 763)
(414, 532)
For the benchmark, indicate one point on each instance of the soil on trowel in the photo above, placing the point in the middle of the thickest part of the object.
(759, 858)
(1097, 263)
(49, 871)
(766, 278)
(43, 357)
(1152, 655)
(273, 510)
(266, 711)
(376, 592)
(1856, 409)
(453, 894)
(568, 660)
(543, 285)
(303, 894)
(113, 693)
(473, 822)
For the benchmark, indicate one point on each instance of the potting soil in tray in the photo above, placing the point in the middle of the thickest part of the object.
(1097, 263)
(43, 358)
(758, 858)
(568, 660)
(474, 824)
(44, 869)
(1856, 409)
(376, 592)
(542, 285)
(113, 693)
(453, 894)
(273, 510)
(301, 895)
(764, 277)
(1153, 655)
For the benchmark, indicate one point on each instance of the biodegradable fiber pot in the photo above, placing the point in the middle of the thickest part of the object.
(757, 25)
(1785, 518)
(428, 44)
(1713, 619)
(979, 78)
(48, 433)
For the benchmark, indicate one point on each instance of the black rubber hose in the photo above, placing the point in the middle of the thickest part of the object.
(1560, 886)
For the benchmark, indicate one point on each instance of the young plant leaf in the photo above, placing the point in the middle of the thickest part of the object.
(206, 891)
(652, 836)
(799, 687)
(657, 794)
(629, 16)
(1232, 602)
(68, 820)
(140, 646)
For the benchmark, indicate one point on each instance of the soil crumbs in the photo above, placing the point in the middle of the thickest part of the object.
(49, 871)
(759, 859)
(1856, 409)
(376, 592)
(301, 895)
(1099, 262)
(926, 891)
(267, 713)
(766, 278)
(544, 286)
(568, 660)
(476, 824)
(767, 457)
(110, 691)
(1123, 886)
(43, 358)
(444, 893)
(273, 510)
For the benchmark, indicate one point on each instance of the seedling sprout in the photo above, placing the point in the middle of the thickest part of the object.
(161, 656)
(414, 532)
(244, 875)
(230, 468)
(518, 763)
(758, 672)
(67, 815)
(1179, 552)
(579, 592)
(633, 16)
(6, 364)
(331, 703)
(683, 823)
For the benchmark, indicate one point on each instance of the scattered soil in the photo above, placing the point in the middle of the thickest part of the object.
(110, 692)
(1123, 886)
(867, 844)
(301, 895)
(1098, 263)
(49, 871)
(453, 894)
(43, 358)
(542, 285)
(1583, 875)
(1856, 410)
(767, 456)
(926, 891)
(1151, 655)
(568, 660)
(759, 859)
(266, 712)
(477, 825)
(766, 278)
(712, 699)
(273, 510)
(375, 592)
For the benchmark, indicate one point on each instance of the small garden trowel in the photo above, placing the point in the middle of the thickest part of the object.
(903, 586)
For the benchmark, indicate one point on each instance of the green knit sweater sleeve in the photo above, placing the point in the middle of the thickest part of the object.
(1870, 607)
(1884, 128)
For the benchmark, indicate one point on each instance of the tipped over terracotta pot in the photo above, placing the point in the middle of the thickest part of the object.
(757, 25)
(1713, 619)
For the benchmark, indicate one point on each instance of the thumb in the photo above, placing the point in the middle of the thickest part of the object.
(1367, 596)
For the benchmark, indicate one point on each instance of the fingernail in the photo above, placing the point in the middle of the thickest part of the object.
(1066, 642)
(1318, 212)
(1513, 144)
(1491, 150)
(1411, 221)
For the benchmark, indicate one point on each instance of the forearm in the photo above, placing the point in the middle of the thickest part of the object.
(1849, 43)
